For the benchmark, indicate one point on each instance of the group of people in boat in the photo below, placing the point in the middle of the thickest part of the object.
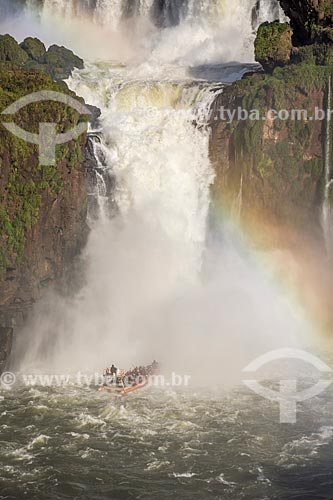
(120, 378)
(143, 371)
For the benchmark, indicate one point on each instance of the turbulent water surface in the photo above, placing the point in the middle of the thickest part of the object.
(161, 444)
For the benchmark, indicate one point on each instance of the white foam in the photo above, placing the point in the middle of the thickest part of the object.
(38, 441)
(186, 475)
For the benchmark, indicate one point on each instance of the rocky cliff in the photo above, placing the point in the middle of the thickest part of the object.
(31, 54)
(270, 170)
(311, 20)
(275, 164)
(42, 208)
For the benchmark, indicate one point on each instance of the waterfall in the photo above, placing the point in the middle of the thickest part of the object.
(156, 136)
(238, 202)
(267, 10)
(100, 181)
(327, 219)
(155, 142)
(108, 12)
(152, 177)
(163, 12)
(190, 32)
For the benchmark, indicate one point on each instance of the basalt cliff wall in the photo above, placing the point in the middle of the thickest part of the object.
(42, 208)
(270, 170)
(273, 166)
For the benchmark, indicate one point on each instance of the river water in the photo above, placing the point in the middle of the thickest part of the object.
(162, 444)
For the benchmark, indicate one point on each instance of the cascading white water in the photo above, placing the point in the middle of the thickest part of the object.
(269, 10)
(157, 154)
(238, 202)
(196, 31)
(152, 251)
(327, 219)
(169, 12)
(108, 12)
(101, 191)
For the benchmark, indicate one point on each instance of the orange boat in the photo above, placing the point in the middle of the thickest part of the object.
(137, 387)
(124, 390)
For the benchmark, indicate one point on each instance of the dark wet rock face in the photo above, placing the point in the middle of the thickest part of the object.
(277, 165)
(61, 62)
(270, 170)
(43, 211)
(312, 20)
(94, 116)
(308, 39)
(34, 48)
(6, 341)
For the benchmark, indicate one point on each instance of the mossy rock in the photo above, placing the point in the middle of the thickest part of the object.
(35, 66)
(322, 35)
(22, 181)
(57, 62)
(273, 45)
(281, 160)
(34, 48)
(61, 62)
(11, 51)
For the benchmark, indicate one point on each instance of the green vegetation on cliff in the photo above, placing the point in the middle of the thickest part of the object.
(34, 48)
(279, 161)
(316, 54)
(307, 39)
(58, 62)
(23, 182)
(287, 155)
(10, 51)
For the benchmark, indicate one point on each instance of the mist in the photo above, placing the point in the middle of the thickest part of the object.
(87, 38)
(137, 306)
(209, 33)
